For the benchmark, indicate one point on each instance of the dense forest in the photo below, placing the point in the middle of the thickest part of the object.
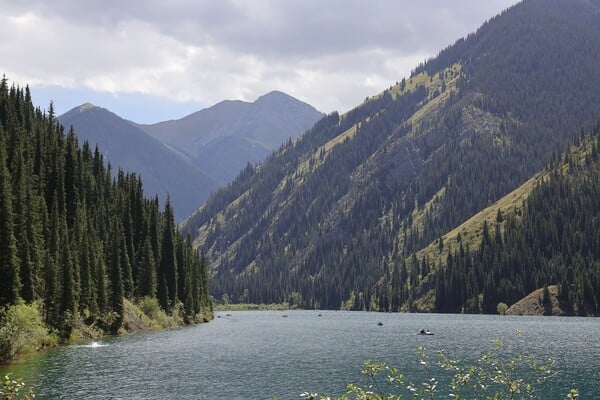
(76, 241)
(553, 240)
(329, 218)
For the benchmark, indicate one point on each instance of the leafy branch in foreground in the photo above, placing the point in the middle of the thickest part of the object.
(13, 389)
(496, 375)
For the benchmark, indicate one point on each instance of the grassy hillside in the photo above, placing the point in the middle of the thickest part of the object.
(544, 234)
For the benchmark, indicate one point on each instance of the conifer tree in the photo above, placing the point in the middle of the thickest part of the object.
(147, 268)
(116, 277)
(100, 284)
(67, 297)
(85, 262)
(9, 269)
(51, 292)
(167, 271)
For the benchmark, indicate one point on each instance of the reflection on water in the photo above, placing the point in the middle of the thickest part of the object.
(92, 345)
(255, 355)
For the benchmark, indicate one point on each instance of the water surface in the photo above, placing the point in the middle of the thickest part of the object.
(258, 354)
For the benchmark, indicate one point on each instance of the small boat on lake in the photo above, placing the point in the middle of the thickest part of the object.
(425, 332)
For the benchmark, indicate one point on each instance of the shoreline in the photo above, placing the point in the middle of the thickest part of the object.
(135, 321)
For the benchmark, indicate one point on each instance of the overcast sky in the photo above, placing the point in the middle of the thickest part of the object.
(154, 60)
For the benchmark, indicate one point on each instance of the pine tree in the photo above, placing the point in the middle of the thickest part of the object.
(9, 268)
(51, 286)
(147, 268)
(100, 284)
(116, 291)
(167, 271)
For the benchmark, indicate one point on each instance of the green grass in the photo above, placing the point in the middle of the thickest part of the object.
(471, 230)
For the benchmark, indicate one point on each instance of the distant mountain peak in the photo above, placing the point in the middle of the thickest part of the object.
(86, 106)
(164, 171)
(223, 138)
(275, 97)
(275, 94)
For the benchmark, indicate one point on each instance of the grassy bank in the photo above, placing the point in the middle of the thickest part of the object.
(254, 307)
(23, 331)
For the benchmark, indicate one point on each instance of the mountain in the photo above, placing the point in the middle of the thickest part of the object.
(222, 139)
(340, 217)
(164, 172)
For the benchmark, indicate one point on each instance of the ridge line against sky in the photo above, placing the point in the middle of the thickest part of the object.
(150, 61)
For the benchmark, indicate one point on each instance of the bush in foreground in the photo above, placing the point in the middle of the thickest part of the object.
(496, 375)
(22, 330)
(14, 389)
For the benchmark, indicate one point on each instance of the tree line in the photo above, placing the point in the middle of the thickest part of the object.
(553, 240)
(76, 239)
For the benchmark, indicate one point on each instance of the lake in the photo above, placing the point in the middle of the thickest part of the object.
(259, 354)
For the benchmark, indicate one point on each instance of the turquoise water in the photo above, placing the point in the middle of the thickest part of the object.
(255, 355)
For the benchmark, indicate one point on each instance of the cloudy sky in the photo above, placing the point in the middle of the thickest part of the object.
(154, 60)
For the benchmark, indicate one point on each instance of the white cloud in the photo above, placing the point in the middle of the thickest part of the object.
(331, 54)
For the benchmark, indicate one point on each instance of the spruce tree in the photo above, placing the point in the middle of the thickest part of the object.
(100, 294)
(85, 262)
(116, 292)
(9, 268)
(147, 268)
(51, 268)
(167, 272)
(67, 297)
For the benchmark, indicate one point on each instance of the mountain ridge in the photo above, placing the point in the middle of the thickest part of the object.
(170, 170)
(333, 214)
(253, 129)
(164, 173)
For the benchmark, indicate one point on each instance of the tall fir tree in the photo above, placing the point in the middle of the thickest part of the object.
(9, 267)
(116, 276)
(147, 268)
(167, 271)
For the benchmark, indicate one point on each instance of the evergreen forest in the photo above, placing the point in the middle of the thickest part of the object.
(76, 241)
(340, 217)
(553, 240)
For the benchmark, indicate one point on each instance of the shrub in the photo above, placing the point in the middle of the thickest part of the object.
(501, 308)
(158, 316)
(22, 330)
(14, 389)
(149, 306)
(496, 375)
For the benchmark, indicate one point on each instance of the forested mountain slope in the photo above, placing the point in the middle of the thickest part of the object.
(76, 242)
(329, 220)
(551, 238)
(164, 171)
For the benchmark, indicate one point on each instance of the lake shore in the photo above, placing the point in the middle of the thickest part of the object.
(30, 335)
(237, 356)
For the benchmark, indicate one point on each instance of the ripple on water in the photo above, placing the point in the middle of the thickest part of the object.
(255, 355)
